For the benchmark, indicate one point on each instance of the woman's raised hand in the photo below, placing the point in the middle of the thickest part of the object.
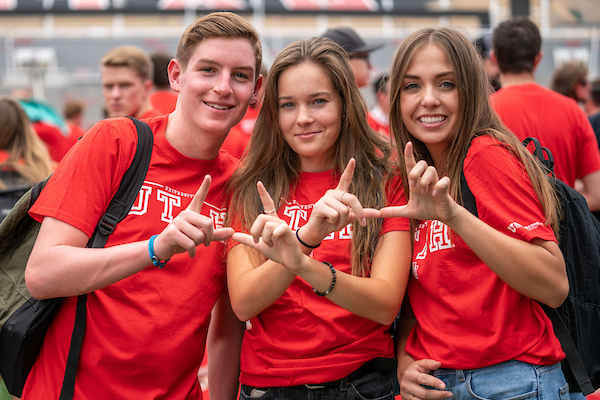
(271, 235)
(336, 209)
(429, 195)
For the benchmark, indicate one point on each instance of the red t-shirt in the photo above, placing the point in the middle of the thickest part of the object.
(75, 132)
(467, 317)
(145, 335)
(164, 101)
(558, 123)
(378, 121)
(151, 113)
(303, 338)
(58, 144)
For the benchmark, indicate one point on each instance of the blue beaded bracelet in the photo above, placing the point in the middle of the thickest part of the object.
(155, 260)
(321, 294)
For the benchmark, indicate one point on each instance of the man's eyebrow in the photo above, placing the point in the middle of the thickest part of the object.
(211, 61)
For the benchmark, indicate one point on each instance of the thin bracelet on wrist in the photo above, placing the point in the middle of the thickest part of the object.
(321, 294)
(155, 261)
(302, 242)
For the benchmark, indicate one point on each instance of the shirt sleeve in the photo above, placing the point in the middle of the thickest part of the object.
(83, 184)
(505, 197)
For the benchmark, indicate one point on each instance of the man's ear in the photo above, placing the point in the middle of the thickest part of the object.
(175, 72)
(148, 85)
(256, 93)
(538, 58)
(493, 56)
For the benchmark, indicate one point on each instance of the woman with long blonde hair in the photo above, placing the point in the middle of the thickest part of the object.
(24, 158)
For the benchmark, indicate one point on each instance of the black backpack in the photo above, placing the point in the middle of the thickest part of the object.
(24, 320)
(577, 321)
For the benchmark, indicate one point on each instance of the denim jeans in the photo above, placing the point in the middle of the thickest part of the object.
(576, 396)
(506, 381)
(373, 386)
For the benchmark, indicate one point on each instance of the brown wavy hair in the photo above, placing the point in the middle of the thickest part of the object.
(272, 161)
(478, 117)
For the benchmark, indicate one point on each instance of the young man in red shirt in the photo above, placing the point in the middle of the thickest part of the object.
(126, 73)
(147, 327)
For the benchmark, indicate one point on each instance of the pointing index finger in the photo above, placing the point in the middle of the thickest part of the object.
(265, 198)
(346, 178)
(198, 200)
(409, 157)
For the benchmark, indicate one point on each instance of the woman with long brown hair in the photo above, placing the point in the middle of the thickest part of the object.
(476, 328)
(320, 277)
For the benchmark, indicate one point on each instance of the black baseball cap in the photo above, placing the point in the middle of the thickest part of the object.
(350, 41)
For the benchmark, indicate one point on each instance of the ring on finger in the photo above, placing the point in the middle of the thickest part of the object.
(270, 211)
(412, 397)
(342, 196)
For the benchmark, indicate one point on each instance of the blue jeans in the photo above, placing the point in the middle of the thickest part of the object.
(374, 386)
(508, 380)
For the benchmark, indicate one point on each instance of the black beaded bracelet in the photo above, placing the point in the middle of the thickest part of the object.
(321, 294)
(304, 244)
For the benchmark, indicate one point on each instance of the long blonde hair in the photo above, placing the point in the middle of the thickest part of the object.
(477, 117)
(27, 154)
(272, 161)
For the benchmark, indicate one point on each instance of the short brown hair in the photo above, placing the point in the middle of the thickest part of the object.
(132, 57)
(73, 109)
(218, 24)
(517, 42)
(567, 77)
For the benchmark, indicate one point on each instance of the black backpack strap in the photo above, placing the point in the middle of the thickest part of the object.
(573, 357)
(466, 196)
(543, 154)
(68, 388)
(117, 210)
(130, 186)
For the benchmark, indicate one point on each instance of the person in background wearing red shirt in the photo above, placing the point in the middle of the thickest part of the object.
(476, 329)
(126, 73)
(148, 325)
(529, 109)
(162, 98)
(24, 157)
(73, 112)
(379, 115)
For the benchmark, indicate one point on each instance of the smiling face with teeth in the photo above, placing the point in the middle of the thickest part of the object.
(215, 87)
(429, 100)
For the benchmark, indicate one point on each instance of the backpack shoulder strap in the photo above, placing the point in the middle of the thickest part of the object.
(130, 186)
(573, 358)
(543, 154)
(467, 199)
(117, 210)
